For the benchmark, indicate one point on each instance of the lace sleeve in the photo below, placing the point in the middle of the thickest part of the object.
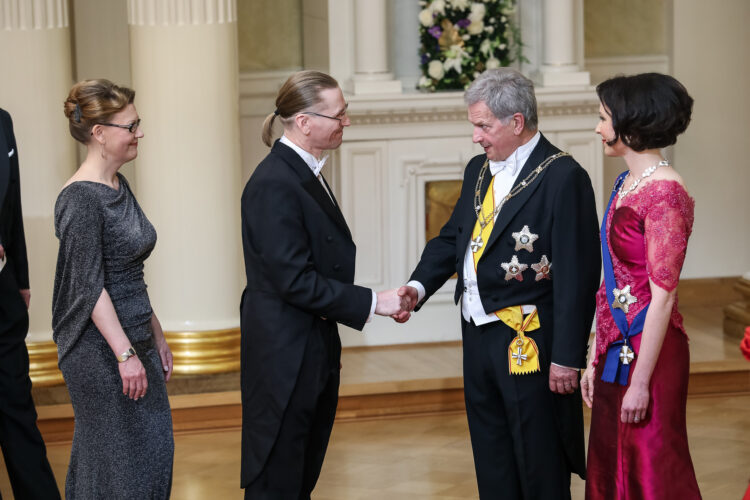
(667, 227)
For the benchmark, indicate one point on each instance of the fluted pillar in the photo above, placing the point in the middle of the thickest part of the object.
(371, 73)
(35, 64)
(559, 61)
(184, 71)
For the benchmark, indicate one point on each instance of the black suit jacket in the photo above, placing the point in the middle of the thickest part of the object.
(15, 275)
(560, 207)
(299, 263)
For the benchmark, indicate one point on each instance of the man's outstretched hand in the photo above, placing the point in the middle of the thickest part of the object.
(396, 303)
(411, 296)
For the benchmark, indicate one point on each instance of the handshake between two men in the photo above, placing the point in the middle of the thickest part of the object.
(397, 303)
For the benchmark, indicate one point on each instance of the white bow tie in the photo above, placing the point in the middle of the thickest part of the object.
(498, 166)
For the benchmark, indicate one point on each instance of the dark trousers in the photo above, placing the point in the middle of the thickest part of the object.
(517, 448)
(23, 448)
(295, 461)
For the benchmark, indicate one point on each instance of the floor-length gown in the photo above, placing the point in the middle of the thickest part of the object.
(648, 237)
(122, 449)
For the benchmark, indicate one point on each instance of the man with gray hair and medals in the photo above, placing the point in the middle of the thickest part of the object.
(523, 238)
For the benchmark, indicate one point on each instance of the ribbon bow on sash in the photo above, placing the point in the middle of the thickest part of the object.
(523, 353)
(619, 353)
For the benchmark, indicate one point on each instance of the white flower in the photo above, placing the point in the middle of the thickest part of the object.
(454, 63)
(478, 10)
(435, 70)
(502, 46)
(466, 37)
(492, 63)
(460, 4)
(489, 29)
(424, 81)
(476, 16)
(475, 27)
(438, 6)
(485, 47)
(425, 17)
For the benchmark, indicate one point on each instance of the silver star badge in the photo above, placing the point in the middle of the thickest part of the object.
(525, 239)
(623, 299)
(542, 268)
(626, 355)
(513, 269)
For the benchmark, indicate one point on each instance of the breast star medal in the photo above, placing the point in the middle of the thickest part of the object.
(513, 269)
(626, 355)
(525, 239)
(623, 299)
(542, 268)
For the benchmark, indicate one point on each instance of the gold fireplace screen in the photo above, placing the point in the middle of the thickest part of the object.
(440, 198)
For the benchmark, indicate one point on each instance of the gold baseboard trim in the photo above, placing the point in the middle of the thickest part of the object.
(205, 352)
(43, 368)
(194, 353)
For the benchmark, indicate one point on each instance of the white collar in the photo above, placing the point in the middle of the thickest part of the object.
(517, 158)
(315, 165)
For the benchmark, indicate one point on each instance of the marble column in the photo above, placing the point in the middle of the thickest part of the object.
(36, 77)
(560, 65)
(184, 70)
(371, 73)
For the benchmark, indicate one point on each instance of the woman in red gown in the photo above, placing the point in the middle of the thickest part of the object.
(638, 446)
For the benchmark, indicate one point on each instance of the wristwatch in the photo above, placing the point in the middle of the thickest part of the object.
(126, 355)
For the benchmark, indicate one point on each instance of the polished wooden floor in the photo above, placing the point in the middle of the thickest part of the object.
(429, 456)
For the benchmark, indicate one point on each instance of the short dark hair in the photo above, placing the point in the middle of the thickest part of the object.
(648, 110)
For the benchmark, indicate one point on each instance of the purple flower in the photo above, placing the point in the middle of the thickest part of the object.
(435, 31)
(425, 59)
(463, 23)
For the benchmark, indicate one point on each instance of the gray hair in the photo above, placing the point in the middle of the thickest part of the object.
(506, 92)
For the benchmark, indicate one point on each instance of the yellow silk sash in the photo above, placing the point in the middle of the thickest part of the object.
(523, 353)
(488, 207)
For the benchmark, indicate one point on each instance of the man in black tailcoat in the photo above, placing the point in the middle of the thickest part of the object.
(299, 263)
(23, 448)
(528, 263)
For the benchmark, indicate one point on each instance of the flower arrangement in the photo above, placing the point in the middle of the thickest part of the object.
(461, 38)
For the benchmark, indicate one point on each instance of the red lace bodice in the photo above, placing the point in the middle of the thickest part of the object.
(648, 236)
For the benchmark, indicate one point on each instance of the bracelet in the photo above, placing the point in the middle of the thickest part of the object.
(126, 355)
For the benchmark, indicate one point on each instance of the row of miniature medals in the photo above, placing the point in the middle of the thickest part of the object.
(524, 238)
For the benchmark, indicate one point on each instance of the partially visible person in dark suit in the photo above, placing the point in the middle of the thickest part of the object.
(299, 261)
(23, 448)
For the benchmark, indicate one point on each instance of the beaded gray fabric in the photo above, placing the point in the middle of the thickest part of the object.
(121, 448)
(104, 239)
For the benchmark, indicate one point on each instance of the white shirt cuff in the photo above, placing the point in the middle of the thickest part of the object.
(373, 306)
(420, 289)
(568, 367)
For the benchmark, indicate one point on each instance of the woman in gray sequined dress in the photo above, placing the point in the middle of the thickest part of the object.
(111, 348)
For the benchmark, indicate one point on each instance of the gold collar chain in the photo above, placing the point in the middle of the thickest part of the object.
(484, 220)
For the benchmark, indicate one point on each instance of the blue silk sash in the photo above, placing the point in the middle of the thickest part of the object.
(614, 369)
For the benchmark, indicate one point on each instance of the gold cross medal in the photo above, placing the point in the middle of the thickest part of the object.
(523, 353)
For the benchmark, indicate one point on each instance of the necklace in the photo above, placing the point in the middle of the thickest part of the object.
(650, 170)
(485, 219)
